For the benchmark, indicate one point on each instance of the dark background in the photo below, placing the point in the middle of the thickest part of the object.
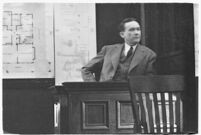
(168, 29)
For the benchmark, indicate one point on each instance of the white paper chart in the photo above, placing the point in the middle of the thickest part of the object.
(28, 41)
(75, 39)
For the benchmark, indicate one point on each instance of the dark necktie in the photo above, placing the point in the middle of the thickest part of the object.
(130, 52)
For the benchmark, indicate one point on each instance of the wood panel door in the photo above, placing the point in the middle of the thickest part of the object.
(100, 112)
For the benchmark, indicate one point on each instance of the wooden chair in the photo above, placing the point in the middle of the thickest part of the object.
(157, 103)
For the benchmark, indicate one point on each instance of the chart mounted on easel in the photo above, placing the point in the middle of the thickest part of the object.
(75, 39)
(48, 40)
(28, 50)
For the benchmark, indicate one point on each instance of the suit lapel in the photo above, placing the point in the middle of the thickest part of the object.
(138, 56)
(116, 53)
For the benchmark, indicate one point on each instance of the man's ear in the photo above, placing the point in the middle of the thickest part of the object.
(121, 34)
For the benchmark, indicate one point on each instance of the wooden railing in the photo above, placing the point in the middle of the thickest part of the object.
(157, 102)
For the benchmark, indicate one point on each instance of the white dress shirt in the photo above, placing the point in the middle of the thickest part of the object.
(127, 48)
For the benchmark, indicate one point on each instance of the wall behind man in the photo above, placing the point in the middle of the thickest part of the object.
(108, 17)
(170, 33)
(167, 27)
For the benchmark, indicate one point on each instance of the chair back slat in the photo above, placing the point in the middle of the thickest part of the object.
(156, 109)
(164, 116)
(157, 104)
(143, 114)
(137, 126)
(177, 106)
(181, 114)
(150, 113)
(171, 118)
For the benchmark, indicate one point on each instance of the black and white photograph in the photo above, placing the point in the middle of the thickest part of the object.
(100, 67)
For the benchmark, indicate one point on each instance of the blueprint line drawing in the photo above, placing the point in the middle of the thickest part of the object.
(18, 46)
(28, 47)
(75, 40)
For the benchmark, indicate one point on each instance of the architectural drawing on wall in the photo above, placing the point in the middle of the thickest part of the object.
(75, 39)
(18, 38)
(24, 45)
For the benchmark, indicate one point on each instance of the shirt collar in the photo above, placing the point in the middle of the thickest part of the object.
(127, 47)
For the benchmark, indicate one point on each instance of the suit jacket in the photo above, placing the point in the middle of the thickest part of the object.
(108, 59)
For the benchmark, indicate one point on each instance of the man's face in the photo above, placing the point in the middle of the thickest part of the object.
(131, 33)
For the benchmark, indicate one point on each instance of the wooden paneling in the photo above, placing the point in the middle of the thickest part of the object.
(95, 112)
(93, 98)
(124, 115)
(93, 108)
(28, 106)
(98, 109)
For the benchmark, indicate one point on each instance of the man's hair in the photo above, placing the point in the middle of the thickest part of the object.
(121, 25)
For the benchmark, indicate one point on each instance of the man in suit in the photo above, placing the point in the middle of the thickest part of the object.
(117, 62)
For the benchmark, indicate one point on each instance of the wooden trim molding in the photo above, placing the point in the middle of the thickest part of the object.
(104, 123)
(28, 83)
(121, 125)
(98, 86)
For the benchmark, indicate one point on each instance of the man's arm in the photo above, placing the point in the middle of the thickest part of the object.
(93, 65)
(150, 70)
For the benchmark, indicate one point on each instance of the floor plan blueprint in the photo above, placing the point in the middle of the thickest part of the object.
(28, 41)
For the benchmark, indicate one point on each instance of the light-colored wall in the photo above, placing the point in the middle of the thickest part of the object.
(48, 40)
